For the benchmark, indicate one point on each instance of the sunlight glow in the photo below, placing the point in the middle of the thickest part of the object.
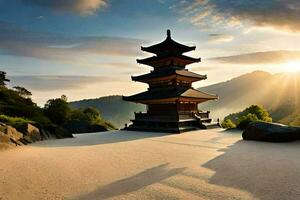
(292, 67)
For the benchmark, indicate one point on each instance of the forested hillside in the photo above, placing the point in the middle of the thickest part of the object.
(112, 108)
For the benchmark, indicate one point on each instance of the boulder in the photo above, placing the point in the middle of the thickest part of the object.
(271, 132)
(9, 137)
(4, 138)
(31, 131)
(5, 142)
(11, 132)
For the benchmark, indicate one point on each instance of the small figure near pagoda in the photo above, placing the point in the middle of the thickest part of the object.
(172, 102)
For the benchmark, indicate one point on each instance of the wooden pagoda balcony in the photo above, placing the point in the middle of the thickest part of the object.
(181, 116)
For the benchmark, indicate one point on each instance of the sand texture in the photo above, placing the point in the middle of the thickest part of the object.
(209, 164)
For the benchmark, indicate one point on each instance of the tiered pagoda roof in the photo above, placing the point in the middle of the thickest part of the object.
(172, 94)
(168, 46)
(169, 63)
(179, 60)
(168, 53)
(169, 72)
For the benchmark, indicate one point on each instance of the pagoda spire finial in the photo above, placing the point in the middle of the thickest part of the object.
(168, 33)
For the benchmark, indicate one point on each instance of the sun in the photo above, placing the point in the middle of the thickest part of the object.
(292, 67)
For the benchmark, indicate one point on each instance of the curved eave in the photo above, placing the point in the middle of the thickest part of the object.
(168, 45)
(156, 49)
(157, 58)
(191, 94)
(152, 61)
(186, 73)
(145, 79)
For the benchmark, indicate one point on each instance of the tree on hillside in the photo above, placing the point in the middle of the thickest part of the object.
(23, 92)
(92, 114)
(243, 118)
(64, 97)
(77, 115)
(3, 79)
(57, 110)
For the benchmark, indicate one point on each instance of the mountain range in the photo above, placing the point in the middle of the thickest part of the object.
(278, 93)
(112, 108)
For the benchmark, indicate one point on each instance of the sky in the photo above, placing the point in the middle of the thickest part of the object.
(88, 48)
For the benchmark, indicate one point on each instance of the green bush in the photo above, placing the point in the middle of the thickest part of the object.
(228, 124)
(15, 121)
(90, 115)
(243, 121)
(14, 105)
(243, 118)
(77, 115)
(41, 119)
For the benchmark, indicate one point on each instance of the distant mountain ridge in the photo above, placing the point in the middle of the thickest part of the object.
(112, 108)
(278, 93)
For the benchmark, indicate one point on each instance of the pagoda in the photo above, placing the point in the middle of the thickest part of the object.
(172, 102)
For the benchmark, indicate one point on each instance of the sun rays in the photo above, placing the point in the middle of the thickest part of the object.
(285, 88)
(292, 67)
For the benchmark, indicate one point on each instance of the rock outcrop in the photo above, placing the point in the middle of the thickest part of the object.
(45, 134)
(9, 136)
(271, 132)
(28, 133)
(31, 133)
(60, 132)
(5, 142)
(83, 127)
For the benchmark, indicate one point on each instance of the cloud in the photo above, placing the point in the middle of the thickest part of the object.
(82, 7)
(40, 17)
(53, 83)
(267, 57)
(278, 14)
(19, 42)
(75, 87)
(217, 38)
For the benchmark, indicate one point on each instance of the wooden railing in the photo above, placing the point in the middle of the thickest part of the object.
(202, 114)
(146, 116)
(171, 116)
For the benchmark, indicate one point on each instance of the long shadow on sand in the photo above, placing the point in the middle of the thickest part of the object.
(88, 139)
(266, 170)
(133, 183)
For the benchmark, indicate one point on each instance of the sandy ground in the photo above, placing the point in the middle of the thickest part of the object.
(210, 164)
